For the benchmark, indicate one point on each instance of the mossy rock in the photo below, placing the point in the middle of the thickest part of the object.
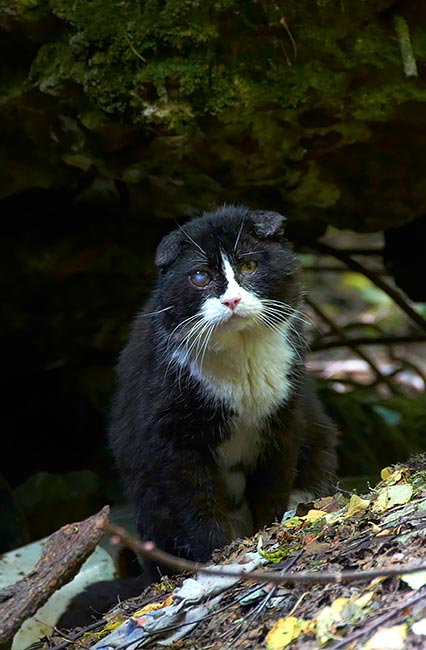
(307, 108)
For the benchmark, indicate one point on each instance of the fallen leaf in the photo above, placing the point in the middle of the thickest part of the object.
(341, 612)
(415, 580)
(365, 599)
(356, 505)
(276, 554)
(152, 607)
(293, 522)
(284, 631)
(392, 495)
(385, 473)
(389, 638)
(310, 517)
(313, 515)
(419, 627)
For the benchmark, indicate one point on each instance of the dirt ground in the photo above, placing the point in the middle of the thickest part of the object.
(383, 532)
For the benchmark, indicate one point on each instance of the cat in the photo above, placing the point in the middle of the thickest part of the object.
(214, 421)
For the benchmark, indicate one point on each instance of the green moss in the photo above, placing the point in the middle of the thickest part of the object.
(263, 96)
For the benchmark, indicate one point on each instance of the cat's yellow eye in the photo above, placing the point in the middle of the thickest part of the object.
(200, 278)
(248, 267)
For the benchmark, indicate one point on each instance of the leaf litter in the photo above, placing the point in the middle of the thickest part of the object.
(384, 529)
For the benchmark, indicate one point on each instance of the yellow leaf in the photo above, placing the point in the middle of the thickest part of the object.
(313, 515)
(152, 607)
(293, 522)
(364, 599)
(356, 505)
(388, 638)
(275, 555)
(111, 626)
(385, 473)
(392, 495)
(341, 612)
(284, 631)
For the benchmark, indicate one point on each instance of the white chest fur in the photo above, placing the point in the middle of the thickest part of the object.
(244, 364)
(249, 373)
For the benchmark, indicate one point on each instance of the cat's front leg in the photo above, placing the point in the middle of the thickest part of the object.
(180, 507)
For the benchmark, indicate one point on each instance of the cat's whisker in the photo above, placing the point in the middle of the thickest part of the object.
(206, 343)
(239, 234)
(301, 314)
(175, 347)
(193, 242)
(185, 345)
(275, 326)
(198, 344)
(158, 311)
(296, 315)
(185, 322)
(276, 304)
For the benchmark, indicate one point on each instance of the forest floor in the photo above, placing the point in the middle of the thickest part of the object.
(347, 561)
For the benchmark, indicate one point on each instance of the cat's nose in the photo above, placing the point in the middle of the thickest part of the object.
(231, 302)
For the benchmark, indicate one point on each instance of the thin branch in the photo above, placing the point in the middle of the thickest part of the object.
(323, 268)
(405, 47)
(341, 334)
(362, 251)
(77, 635)
(371, 275)
(364, 340)
(150, 551)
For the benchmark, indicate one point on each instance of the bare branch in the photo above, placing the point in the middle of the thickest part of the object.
(396, 296)
(150, 551)
(62, 556)
(364, 340)
(341, 334)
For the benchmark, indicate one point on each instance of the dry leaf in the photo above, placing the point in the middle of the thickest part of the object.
(313, 515)
(389, 638)
(152, 607)
(415, 580)
(392, 495)
(284, 631)
(356, 505)
(365, 599)
(341, 612)
(419, 627)
(385, 473)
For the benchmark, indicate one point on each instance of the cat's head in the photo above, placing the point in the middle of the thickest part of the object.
(229, 269)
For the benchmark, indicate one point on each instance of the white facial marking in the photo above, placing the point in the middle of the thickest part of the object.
(233, 290)
(245, 366)
(248, 306)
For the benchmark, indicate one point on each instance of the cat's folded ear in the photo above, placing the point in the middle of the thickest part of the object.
(268, 224)
(168, 249)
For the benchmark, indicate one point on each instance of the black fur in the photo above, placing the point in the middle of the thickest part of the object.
(166, 428)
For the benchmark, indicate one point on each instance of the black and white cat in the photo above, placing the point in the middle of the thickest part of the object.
(214, 422)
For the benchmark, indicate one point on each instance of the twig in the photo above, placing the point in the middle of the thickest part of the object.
(364, 340)
(150, 551)
(255, 613)
(371, 275)
(379, 621)
(62, 555)
(323, 268)
(362, 251)
(406, 364)
(340, 333)
(404, 40)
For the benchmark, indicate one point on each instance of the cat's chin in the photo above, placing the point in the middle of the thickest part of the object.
(236, 323)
